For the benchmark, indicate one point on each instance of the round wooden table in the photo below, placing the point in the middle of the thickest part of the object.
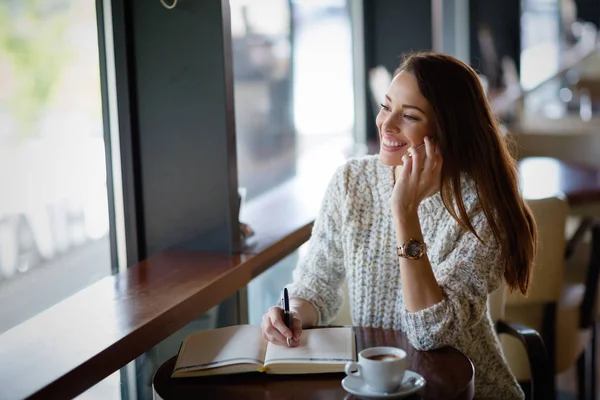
(448, 372)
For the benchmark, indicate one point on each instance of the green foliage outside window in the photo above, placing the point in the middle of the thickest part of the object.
(32, 57)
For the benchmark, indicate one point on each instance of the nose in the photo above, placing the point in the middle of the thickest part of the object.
(390, 124)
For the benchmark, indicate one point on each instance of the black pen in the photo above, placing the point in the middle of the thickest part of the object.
(286, 313)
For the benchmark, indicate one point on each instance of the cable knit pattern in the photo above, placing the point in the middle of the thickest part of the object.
(353, 238)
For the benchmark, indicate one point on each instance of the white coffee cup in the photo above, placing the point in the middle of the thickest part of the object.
(382, 368)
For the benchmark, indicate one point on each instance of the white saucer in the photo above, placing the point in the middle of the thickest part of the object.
(411, 383)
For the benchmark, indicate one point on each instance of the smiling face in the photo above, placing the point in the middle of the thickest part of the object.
(404, 120)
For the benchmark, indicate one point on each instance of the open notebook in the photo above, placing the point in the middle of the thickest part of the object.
(241, 348)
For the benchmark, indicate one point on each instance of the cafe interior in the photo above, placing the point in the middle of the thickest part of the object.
(218, 125)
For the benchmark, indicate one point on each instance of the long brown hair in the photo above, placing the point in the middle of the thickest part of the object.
(471, 142)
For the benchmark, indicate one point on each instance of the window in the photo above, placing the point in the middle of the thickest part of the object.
(293, 86)
(540, 56)
(322, 135)
(262, 61)
(54, 221)
(273, 63)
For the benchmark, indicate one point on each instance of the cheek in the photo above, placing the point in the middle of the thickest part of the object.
(416, 134)
(379, 120)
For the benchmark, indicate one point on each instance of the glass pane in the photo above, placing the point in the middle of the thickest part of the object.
(540, 41)
(323, 106)
(540, 56)
(551, 37)
(54, 220)
(110, 388)
(265, 290)
(274, 56)
(294, 94)
(262, 61)
(323, 85)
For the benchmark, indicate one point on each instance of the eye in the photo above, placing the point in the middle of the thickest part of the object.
(386, 108)
(410, 117)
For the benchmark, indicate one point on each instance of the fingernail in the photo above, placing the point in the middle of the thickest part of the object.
(289, 342)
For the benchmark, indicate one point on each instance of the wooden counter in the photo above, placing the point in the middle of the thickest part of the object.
(70, 347)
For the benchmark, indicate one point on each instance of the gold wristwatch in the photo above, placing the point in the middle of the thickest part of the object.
(412, 249)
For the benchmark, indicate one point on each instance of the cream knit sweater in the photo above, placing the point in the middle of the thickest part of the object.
(353, 238)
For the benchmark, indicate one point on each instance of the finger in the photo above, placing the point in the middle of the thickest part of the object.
(297, 328)
(276, 315)
(406, 167)
(417, 164)
(275, 340)
(269, 330)
(438, 164)
(420, 148)
(439, 158)
(275, 336)
(266, 321)
(268, 337)
(430, 155)
(265, 327)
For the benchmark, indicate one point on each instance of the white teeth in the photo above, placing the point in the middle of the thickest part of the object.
(394, 144)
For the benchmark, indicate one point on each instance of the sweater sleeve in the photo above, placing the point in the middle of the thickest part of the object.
(466, 276)
(320, 273)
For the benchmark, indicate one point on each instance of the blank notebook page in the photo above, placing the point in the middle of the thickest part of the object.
(224, 346)
(327, 345)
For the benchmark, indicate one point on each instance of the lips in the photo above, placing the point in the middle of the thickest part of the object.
(391, 144)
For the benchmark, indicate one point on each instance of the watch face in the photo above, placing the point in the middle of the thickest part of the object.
(413, 249)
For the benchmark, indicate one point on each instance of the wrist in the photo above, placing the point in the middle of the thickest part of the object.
(405, 215)
(305, 311)
(407, 226)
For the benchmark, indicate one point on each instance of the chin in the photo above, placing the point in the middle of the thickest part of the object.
(386, 159)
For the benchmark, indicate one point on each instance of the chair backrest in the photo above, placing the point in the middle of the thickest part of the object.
(550, 215)
(559, 325)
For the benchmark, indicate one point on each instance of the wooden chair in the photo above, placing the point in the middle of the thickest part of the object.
(541, 386)
(583, 267)
(551, 307)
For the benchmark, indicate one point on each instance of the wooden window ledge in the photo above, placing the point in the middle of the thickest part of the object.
(73, 345)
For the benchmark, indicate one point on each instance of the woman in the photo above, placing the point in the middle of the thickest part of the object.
(424, 231)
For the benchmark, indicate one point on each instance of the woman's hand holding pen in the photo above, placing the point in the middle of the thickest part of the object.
(274, 329)
(417, 178)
